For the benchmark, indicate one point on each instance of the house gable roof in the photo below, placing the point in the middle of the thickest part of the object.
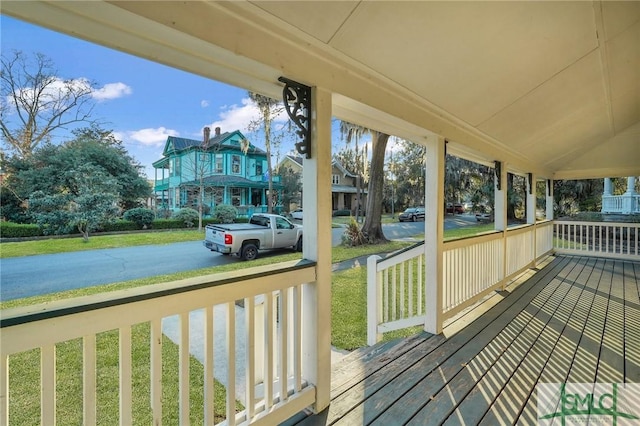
(227, 141)
(338, 165)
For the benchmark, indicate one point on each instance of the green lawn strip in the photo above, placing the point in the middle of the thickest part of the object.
(65, 245)
(349, 311)
(24, 398)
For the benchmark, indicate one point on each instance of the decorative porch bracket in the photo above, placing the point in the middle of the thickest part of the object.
(297, 101)
(498, 172)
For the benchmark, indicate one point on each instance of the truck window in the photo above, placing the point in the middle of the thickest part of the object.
(259, 220)
(282, 224)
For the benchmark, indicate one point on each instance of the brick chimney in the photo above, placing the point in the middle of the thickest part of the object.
(217, 131)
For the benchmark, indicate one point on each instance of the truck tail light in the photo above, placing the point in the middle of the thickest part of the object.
(228, 239)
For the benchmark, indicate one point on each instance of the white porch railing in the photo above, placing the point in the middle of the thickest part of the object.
(472, 268)
(274, 386)
(624, 204)
(604, 239)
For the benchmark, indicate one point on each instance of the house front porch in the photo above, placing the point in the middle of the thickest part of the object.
(572, 321)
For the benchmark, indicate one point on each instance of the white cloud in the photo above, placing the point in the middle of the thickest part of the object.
(238, 117)
(147, 137)
(111, 91)
(204, 103)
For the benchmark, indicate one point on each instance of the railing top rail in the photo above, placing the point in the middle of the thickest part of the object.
(27, 314)
(401, 251)
(599, 223)
(472, 239)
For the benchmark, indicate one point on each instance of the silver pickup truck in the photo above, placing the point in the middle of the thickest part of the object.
(264, 231)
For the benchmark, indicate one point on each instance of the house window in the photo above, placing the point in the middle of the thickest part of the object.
(258, 168)
(176, 170)
(218, 166)
(335, 179)
(235, 164)
(236, 196)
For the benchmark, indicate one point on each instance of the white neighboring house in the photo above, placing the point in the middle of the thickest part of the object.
(344, 191)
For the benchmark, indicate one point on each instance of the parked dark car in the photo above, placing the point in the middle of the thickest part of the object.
(456, 208)
(411, 214)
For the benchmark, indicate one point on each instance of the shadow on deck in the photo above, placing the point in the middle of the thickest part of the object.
(577, 320)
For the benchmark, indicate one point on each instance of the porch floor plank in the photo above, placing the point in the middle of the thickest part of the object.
(576, 320)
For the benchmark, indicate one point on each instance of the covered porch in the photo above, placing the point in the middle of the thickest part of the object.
(571, 320)
(545, 90)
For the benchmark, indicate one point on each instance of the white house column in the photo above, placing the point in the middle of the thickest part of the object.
(607, 186)
(316, 304)
(549, 203)
(629, 201)
(607, 193)
(434, 233)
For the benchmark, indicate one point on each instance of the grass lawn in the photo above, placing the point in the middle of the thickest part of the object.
(24, 378)
(348, 332)
(65, 245)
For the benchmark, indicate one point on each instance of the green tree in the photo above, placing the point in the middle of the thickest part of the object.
(89, 206)
(35, 102)
(50, 169)
(409, 163)
(355, 133)
(372, 227)
(291, 186)
(269, 109)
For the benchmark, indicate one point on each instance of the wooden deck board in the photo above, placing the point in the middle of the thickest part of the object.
(517, 373)
(632, 322)
(576, 320)
(499, 351)
(559, 364)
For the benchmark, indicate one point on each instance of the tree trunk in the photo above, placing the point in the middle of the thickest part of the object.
(372, 227)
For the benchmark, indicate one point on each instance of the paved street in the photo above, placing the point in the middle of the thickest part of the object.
(36, 275)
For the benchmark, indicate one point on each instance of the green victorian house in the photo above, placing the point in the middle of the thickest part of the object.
(227, 169)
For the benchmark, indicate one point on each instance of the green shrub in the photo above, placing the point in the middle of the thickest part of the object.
(168, 224)
(141, 216)
(187, 216)
(19, 230)
(353, 235)
(225, 213)
(120, 225)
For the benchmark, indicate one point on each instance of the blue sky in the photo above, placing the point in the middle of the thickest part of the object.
(141, 101)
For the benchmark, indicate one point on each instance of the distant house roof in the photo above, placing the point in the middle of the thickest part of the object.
(339, 166)
(335, 163)
(226, 140)
(295, 159)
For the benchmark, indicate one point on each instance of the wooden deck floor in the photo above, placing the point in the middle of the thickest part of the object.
(576, 320)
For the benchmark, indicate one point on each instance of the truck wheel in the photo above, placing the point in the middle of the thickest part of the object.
(249, 252)
(299, 244)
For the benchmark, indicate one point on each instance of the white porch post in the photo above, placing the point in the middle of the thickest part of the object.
(629, 206)
(500, 198)
(606, 194)
(316, 304)
(434, 233)
(549, 200)
(500, 213)
(607, 186)
(531, 198)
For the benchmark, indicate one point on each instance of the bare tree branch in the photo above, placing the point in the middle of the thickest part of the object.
(35, 102)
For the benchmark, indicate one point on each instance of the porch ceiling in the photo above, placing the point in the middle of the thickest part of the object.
(549, 87)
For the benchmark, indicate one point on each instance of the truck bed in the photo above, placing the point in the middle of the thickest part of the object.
(235, 226)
